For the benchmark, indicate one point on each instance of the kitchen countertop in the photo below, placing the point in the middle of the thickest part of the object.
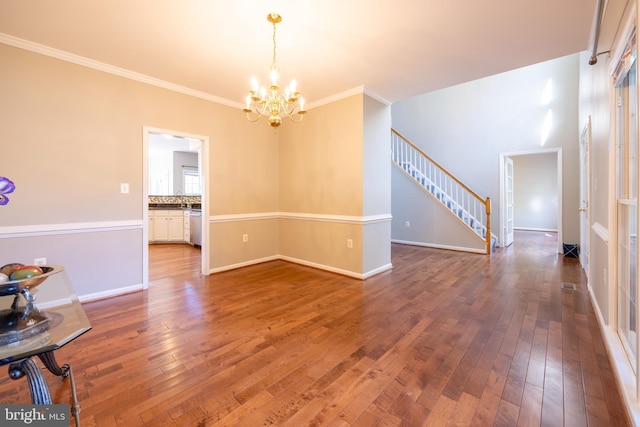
(173, 206)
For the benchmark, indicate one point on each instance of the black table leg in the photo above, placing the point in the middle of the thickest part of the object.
(38, 387)
(50, 362)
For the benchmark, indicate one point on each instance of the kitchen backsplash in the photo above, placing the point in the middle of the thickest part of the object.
(186, 200)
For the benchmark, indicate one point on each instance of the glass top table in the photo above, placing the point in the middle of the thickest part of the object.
(38, 317)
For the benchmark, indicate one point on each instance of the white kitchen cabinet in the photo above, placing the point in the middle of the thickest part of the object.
(166, 225)
(186, 227)
(176, 224)
(160, 225)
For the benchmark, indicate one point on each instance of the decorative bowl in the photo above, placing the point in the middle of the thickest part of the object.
(13, 287)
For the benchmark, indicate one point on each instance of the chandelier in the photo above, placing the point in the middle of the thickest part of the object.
(271, 102)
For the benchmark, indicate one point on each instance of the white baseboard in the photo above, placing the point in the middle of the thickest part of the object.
(348, 273)
(110, 293)
(243, 264)
(434, 246)
(622, 370)
(377, 271)
(135, 288)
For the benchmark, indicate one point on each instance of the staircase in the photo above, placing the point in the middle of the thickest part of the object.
(460, 200)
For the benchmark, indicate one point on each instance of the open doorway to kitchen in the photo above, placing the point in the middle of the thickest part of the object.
(175, 171)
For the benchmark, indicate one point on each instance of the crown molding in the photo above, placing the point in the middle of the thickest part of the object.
(101, 66)
(377, 97)
(346, 94)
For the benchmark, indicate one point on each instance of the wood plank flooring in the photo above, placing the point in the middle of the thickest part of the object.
(445, 338)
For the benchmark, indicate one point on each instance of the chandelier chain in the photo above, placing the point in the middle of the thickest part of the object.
(274, 43)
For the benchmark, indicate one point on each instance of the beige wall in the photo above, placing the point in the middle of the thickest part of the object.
(228, 250)
(376, 158)
(73, 134)
(334, 173)
(321, 163)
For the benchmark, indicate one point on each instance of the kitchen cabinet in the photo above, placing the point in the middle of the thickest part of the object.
(186, 227)
(166, 225)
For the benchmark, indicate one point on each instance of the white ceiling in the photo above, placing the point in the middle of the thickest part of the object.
(394, 49)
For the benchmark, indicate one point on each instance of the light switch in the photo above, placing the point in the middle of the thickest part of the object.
(124, 188)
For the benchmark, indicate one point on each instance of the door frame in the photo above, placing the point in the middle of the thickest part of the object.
(203, 160)
(503, 156)
(585, 197)
(508, 201)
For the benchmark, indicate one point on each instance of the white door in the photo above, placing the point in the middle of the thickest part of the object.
(508, 201)
(585, 191)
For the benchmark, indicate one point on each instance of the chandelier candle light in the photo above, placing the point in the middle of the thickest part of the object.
(272, 103)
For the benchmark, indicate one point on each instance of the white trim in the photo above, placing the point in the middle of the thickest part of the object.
(548, 230)
(243, 264)
(617, 355)
(337, 97)
(10, 232)
(347, 94)
(377, 97)
(601, 231)
(323, 267)
(620, 365)
(244, 217)
(377, 271)
(343, 219)
(348, 273)
(101, 66)
(55, 303)
(111, 293)
(622, 42)
(435, 246)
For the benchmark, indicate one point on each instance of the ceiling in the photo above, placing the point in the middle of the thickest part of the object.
(394, 49)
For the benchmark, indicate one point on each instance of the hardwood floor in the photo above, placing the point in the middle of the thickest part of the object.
(445, 338)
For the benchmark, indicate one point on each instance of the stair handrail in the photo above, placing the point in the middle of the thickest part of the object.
(486, 202)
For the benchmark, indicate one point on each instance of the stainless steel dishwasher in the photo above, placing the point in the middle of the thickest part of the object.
(195, 227)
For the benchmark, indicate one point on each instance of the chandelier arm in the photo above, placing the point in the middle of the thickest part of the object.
(249, 116)
(300, 114)
(288, 108)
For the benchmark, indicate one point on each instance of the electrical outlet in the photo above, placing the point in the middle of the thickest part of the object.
(40, 261)
(350, 243)
(245, 238)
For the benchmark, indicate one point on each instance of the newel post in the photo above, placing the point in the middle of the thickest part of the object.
(488, 236)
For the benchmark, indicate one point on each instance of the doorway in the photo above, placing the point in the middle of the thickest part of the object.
(203, 169)
(527, 192)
